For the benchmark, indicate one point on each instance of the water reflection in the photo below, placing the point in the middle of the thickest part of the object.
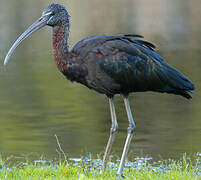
(37, 101)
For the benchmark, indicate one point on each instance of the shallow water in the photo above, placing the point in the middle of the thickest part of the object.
(37, 102)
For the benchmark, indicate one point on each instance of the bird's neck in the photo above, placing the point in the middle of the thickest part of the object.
(60, 46)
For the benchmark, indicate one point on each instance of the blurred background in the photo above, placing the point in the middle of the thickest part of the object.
(36, 101)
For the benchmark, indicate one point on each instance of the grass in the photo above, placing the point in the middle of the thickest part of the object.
(141, 168)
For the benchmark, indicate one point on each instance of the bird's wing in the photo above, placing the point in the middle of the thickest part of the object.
(135, 64)
(92, 43)
(131, 63)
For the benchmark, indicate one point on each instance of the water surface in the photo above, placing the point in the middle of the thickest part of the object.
(37, 102)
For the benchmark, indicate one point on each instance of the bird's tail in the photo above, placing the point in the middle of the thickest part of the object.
(184, 93)
(179, 83)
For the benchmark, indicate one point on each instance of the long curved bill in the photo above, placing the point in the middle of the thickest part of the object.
(33, 28)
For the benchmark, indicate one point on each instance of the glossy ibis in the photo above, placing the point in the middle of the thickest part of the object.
(110, 65)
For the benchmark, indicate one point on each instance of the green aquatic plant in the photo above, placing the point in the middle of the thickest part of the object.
(88, 168)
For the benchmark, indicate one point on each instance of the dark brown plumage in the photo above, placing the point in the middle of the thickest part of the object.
(121, 64)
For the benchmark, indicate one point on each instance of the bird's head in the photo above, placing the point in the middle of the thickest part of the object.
(54, 15)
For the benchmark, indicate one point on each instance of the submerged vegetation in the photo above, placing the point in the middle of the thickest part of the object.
(88, 168)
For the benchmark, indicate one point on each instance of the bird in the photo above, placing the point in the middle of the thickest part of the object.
(110, 65)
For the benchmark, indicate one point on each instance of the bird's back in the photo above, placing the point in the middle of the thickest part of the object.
(124, 64)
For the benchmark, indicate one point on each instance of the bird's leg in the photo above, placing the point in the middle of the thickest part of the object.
(130, 133)
(113, 131)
